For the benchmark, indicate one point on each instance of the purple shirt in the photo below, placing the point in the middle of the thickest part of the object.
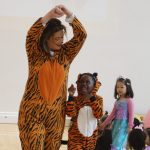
(147, 148)
(122, 112)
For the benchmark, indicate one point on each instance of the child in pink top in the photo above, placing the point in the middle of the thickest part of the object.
(122, 114)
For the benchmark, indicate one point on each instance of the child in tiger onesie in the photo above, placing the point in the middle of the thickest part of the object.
(42, 110)
(84, 109)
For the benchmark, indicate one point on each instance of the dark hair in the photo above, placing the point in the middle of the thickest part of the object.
(136, 139)
(53, 25)
(136, 122)
(127, 83)
(104, 141)
(94, 76)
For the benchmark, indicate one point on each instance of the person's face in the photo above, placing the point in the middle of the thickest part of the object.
(55, 42)
(85, 85)
(121, 89)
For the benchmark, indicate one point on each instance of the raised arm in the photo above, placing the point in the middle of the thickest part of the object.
(73, 46)
(35, 31)
(56, 12)
(71, 105)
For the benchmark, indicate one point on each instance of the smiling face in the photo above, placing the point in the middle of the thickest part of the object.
(52, 36)
(121, 89)
(85, 85)
(55, 42)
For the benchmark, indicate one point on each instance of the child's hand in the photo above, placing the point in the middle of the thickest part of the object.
(101, 126)
(71, 90)
(65, 10)
(129, 130)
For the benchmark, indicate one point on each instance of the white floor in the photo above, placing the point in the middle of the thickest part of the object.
(9, 137)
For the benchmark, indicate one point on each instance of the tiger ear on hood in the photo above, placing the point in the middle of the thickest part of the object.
(78, 78)
(96, 87)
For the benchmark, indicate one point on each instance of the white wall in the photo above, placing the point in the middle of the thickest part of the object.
(117, 44)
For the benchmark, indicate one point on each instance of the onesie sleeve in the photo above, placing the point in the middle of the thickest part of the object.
(97, 106)
(71, 107)
(73, 46)
(33, 38)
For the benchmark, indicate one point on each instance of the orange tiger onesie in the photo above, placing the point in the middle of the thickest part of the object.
(42, 109)
(84, 113)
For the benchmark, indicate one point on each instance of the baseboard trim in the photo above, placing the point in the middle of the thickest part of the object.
(8, 117)
(12, 117)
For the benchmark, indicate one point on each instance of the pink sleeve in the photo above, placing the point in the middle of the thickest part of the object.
(130, 113)
(110, 117)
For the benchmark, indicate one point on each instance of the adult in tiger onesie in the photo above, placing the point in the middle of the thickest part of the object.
(42, 110)
(84, 109)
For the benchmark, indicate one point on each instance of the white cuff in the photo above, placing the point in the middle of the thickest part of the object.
(70, 18)
(44, 24)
